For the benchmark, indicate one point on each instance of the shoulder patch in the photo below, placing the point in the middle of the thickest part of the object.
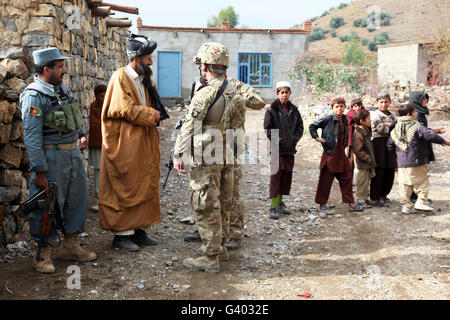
(34, 111)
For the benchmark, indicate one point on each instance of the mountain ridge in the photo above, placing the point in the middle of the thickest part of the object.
(410, 21)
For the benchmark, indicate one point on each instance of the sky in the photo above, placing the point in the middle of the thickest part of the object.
(264, 14)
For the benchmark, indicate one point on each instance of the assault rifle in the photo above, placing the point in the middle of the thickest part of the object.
(174, 135)
(169, 164)
(46, 199)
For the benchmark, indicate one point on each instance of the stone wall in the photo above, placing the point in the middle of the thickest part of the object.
(29, 25)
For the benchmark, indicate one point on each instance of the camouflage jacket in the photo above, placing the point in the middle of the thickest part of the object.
(202, 100)
(198, 111)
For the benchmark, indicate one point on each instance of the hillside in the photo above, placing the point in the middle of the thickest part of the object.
(410, 20)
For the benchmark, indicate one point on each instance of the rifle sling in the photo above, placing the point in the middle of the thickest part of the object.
(219, 93)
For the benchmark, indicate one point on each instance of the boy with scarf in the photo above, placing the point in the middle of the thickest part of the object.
(420, 101)
(334, 162)
(408, 139)
(284, 117)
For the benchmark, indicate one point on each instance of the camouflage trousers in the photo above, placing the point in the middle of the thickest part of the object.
(211, 200)
(237, 211)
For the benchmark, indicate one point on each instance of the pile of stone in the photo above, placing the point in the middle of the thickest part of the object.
(13, 157)
(439, 97)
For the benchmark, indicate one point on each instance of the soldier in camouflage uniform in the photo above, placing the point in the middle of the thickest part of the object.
(211, 183)
(253, 100)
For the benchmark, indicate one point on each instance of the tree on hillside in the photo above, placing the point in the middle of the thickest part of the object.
(317, 34)
(360, 22)
(353, 53)
(227, 14)
(336, 22)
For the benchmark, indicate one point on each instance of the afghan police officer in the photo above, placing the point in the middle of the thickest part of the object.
(53, 124)
(212, 107)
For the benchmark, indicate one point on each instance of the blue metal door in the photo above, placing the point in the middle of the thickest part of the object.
(169, 73)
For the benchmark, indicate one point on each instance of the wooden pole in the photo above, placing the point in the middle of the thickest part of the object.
(102, 11)
(94, 3)
(116, 7)
(110, 22)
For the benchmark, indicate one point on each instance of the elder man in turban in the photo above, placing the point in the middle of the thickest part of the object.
(129, 168)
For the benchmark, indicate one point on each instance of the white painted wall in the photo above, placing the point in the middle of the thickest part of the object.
(398, 63)
(422, 65)
(285, 48)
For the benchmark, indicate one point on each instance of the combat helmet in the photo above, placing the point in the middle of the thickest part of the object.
(212, 53)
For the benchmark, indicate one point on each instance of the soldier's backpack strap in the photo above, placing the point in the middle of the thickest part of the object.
(219, 92)
(193, 89)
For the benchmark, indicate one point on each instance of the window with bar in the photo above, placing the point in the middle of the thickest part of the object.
(255, 69)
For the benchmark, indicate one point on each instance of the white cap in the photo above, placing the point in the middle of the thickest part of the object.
(283, 84)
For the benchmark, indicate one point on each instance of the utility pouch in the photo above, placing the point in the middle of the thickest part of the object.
(70, 119)
(77, 115)
(55, 119)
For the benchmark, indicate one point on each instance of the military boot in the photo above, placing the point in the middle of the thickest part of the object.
(233, 244)
(203, 263)
(223, 256)
(73, 251)
(192, 236)
(43, 263)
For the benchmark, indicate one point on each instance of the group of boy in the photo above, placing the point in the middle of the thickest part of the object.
(379, 146)
(376, 148)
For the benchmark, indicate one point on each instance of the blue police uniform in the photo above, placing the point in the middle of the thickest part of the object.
(57, 154)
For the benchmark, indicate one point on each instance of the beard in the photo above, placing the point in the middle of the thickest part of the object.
(55, 79)
(146, 72)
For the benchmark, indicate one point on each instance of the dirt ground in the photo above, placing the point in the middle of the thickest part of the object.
(377, 254)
